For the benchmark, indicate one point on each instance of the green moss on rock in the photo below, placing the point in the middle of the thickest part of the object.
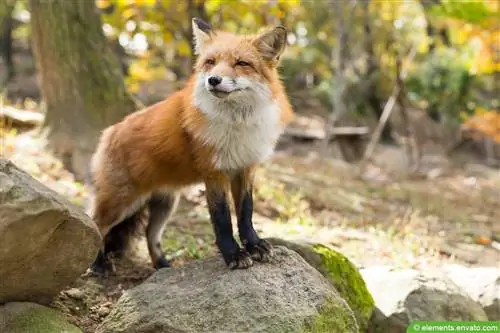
(34, 318)
(343, 274)
(349, 283)
(332, 318)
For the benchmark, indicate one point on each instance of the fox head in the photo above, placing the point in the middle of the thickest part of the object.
(232, 68)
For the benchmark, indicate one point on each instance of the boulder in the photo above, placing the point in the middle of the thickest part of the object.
(340, 271)
(404, 295)
(481, 283)
(20, 317)
(285, 295)
(46, 241)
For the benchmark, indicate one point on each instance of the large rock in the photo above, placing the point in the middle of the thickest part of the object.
(284, 296)
(340, 271)
(46, 241)
(481, 283)
(405, 295)
(20, 317)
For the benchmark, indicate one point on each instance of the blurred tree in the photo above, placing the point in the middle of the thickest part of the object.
(434, 32)
(81, 78)
(450, 79)
(163, 27)
(6, 26)
(372, 72)
(449, 74)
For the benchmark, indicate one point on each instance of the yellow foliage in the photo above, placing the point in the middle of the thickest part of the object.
(126, 2)
(149, 3)
(484, 38)
(103, 3)
(168, 36)
(129, 12)
(142, 71)
(484, 122)
(184, 48)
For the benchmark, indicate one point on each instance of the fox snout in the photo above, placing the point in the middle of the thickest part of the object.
(214, 80)
(222, 86)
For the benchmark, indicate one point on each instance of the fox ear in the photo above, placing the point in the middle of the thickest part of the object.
(272, 43)
(201, 33)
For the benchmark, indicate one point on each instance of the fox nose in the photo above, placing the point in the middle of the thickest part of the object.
(214, 80)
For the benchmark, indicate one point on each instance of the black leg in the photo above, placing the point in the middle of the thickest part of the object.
(101, 265)
(259, 249)
(118, 238)
(246, 231)
(116, 242)
(220, 216)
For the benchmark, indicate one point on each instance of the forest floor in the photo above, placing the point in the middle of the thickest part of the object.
(384, 217)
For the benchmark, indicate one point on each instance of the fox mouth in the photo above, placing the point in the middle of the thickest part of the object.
(219, 93)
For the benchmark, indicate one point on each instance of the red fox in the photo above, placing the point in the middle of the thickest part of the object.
(226, 119)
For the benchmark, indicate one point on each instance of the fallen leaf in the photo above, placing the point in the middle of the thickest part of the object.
(483, 240)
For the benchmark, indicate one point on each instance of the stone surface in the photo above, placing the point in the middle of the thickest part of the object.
(46, 241)
(338, 269)
(286, 295)
(20, 317)
(405, 295)
(481, 283)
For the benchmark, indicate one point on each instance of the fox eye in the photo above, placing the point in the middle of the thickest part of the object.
(210, 61)
(242, 63)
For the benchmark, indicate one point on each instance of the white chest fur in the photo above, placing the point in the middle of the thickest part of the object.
(243, 131)
(242, 141)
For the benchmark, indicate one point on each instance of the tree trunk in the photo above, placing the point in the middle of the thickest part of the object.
(339, 87)
(6, 26)
(413, 151)
(81, 78)
(434, 34)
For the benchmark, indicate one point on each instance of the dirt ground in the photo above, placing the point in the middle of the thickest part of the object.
(384, 216)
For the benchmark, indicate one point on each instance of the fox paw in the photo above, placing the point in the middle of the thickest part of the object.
(101, 269)
(240, 260)
(161, 262)
(102, 265)
(261, 251)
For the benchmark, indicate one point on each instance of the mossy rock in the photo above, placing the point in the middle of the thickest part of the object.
(286, 295)
(341, 272)
(20, 317)
(333, 317)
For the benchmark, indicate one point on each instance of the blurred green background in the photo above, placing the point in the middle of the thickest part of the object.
(345, 47)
